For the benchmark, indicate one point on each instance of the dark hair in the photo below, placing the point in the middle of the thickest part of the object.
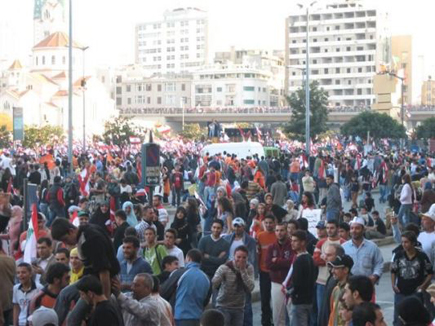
(26, 266)
(410, 236)
(121, 214)
(150, 228)
(310, 198)
(45, 240)
(168, 260)
(295, 223)
(173, 231)
(63, 251)
(57, 270)
(212, 317)
(353, 211)
(130, 231)
(303, 224)
(226, 204)
(133, 240)
(156, 284)
(60, 228)
(363, 285)
(364, 313)
(344, 226)
(195, 255)
(413, 228)
(335, 222)
(241, 248)
(300, 234)
(375, 213)
(181, 209)
(90, 283)
(218, 222)
(270, 216)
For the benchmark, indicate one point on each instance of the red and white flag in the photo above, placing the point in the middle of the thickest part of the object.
(84, 177)
(32, 237)
(134, 140)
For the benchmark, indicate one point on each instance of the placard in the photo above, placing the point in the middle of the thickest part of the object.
(313, 216)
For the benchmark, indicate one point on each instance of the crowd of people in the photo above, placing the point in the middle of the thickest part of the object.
(110, 251)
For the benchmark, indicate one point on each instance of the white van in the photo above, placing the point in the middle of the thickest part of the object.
(242, 150)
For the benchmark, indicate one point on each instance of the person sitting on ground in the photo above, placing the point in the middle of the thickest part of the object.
(378, 230)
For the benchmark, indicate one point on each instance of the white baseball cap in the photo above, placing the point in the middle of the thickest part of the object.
(358, 220)
(430, 213)
(43, 316)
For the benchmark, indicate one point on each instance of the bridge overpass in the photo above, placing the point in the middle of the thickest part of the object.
(271, 116)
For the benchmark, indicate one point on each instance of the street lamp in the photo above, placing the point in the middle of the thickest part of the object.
(307, 81)
(83, 85)
(70, 91)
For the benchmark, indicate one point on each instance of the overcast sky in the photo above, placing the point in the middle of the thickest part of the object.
(107, 26)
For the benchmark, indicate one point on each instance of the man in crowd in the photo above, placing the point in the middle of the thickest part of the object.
(138, 307)
(169, 264)
(7, 274)
(427, 236)
(333, 199)
(131, 265)
(358, 289)
(234, 279)
(147, 221)
(279, 259)
(214, 249)
(341, 267)
(411, 270)
(279, 191)
(192, 293)
(163, 213)
(121, 226)
(344, 231)
(320, 258)
(265, 239)
(56, 200)
(62, 256)
(368, 313)
(103, 313)
(154, 252)
(171, 248)
(366, 255)
(302, 282)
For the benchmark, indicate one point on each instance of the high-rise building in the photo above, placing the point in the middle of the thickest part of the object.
(48, 18)
(347, 44)
(402, 63)
(176, 44)
(428, 92)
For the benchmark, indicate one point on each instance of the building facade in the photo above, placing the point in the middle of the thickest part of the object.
(347, 44)
(402, 64)
(176, 44)
(428, 92)
(48, 18)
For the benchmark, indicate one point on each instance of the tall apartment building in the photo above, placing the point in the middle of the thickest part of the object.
(402, 63)
(176, 44)
(347, 44)
(428, 92)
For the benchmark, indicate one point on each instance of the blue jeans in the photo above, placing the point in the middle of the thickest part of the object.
(404, 214)
(233, 317)
(247, 313)
(398, 298)
(53, 214)
(332, 214)
(320, 293)
(300, 314)
(383, 191)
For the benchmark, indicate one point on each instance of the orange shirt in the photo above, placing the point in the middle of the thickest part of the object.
(295, 167)
(265, 239)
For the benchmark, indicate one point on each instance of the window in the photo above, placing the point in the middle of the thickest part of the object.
(219, 89)
(249, 88)
(183, 87)
(326, 70)
(159, 89)
(148, 87)
(337, 82)
(251, 102)
(348, 70)
(139, 88)
(337, 28)
(359, 69)
(337, 70)
(53, 60)
(326, 39)
(118, 101)
(43, 60)
(119, 90)
(148, 100)
(37, 61)
(314, 61)
(349, 82)
(128, 88)
(129, 101)
(348, 48)
(159, 100)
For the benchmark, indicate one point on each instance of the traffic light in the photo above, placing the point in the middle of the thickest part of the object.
(151, 164)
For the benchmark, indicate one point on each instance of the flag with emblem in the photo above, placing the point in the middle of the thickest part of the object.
(31, 239)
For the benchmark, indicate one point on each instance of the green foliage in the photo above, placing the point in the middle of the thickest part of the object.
(5, 137)
(119, 130)
(193, 131)
(34, 135)
(427, 129)
(380, 125)
(318, 108)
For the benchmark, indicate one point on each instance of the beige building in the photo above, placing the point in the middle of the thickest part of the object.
(401, 50)
(428, 92)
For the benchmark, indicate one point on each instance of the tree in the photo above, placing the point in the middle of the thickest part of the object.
(6, 120)
(380, 125)
(34, 135)
(119, 130)
(5, 137)
(193, 131)
(427, 129)
(318, 108)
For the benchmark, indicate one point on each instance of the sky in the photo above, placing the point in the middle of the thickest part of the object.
(107, 26)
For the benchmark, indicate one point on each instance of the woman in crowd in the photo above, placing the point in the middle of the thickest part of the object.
(181, 225)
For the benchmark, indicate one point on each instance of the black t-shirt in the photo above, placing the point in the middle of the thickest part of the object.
(380, 226)
(105, 315)
(410, 274)
(96, 250)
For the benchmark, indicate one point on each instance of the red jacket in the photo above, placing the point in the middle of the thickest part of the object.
(285, 257)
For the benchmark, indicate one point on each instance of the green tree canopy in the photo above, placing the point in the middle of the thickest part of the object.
(193, 131)
(380, 125)
(427, 129)
(119, 130)
(5, 137)
(318, 108)
(34, 135)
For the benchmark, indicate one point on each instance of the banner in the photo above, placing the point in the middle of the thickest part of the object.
(313, 216)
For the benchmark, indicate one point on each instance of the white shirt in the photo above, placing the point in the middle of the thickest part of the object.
(23, 300)
(427, 239)
(234, 245)
(178, 253)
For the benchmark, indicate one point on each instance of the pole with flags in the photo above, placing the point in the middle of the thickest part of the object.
(32, 237)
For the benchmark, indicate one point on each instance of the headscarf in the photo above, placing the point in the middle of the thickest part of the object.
(131, 218)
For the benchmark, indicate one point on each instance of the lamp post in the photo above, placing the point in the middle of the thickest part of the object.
(70, 91)
(307, 80)
(83, 85)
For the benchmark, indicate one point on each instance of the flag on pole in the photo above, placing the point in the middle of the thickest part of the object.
(84, 182)
(32, 237)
